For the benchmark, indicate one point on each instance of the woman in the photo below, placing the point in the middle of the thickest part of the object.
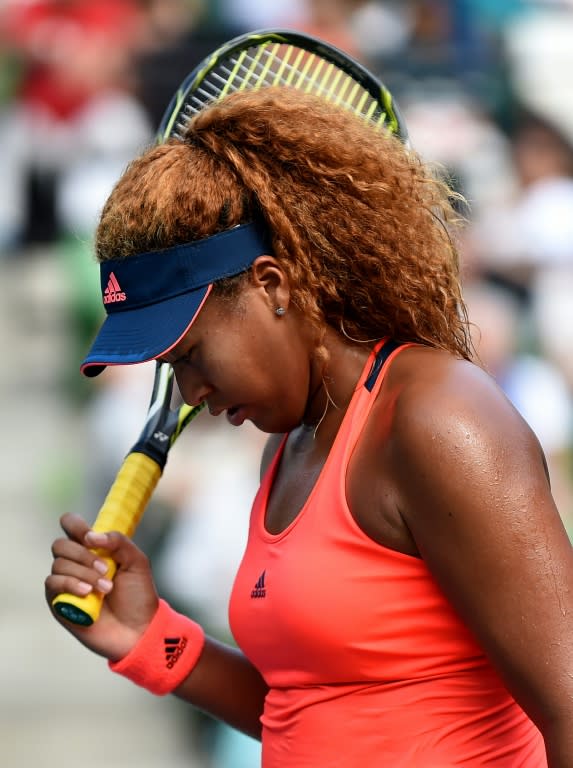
(405, 594)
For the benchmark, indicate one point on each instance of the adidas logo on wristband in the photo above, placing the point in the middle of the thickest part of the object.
(174, 647)
(165, 654)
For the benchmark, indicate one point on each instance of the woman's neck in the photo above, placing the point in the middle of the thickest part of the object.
(333, 383)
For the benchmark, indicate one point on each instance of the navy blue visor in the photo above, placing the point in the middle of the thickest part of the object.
(152, 299)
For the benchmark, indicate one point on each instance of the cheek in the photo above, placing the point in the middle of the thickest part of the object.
(264, 371)
(283, 369)
(258, 359)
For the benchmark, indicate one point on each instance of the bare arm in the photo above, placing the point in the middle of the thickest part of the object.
(473, 491)
(223, 682)
(227, 686)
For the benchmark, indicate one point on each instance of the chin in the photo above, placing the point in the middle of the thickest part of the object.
(275, 424)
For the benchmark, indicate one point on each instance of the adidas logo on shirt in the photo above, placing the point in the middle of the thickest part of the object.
(174, 647)
(259, 589)
(113, 291)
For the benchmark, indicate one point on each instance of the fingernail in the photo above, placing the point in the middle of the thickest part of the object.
(83, 587)
(96, 539)
(101, 567)
(104, 585)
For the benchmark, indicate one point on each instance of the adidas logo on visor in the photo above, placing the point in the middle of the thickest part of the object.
(113, 292)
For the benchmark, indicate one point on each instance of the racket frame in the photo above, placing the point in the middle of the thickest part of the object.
(382, 109)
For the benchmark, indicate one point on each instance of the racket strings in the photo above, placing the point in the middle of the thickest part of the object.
(284, 65)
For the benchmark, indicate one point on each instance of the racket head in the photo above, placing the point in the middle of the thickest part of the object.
(285, 58)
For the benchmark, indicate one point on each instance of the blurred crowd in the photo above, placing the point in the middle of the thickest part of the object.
(485, 88)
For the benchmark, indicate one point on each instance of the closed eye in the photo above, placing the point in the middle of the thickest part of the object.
(184, 358)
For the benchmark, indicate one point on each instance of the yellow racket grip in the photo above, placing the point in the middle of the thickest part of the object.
(121, 511)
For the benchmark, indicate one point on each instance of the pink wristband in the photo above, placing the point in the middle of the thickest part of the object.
(165, 654)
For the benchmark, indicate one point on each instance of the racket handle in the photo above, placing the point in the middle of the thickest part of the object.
(121, 511)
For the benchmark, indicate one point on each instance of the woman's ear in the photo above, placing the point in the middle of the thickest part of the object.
(268, 275)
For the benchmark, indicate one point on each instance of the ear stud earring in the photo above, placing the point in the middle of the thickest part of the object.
(280, 311)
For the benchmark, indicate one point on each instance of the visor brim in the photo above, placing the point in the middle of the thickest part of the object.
(143, 334)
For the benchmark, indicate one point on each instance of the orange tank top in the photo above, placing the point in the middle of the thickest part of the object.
(367, 663)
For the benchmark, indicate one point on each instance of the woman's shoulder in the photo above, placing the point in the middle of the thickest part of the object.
(440, 433)
(436, 398)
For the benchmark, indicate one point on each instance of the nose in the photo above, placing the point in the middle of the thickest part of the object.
(192, 388)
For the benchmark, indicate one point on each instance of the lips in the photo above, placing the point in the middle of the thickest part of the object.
(236, 415)
(233, 412)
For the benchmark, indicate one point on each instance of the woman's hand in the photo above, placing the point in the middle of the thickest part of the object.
(130, 599)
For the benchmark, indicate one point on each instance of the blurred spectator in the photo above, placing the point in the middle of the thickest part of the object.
(420, 41)
(248, 15)
(534, 229)
(451, 128)
(381, 29)
(73, 104)
(540, 56)
(536, 387)
(527, 243)
(180, 34)
(333, 23)
(553, 316)
(72, 125)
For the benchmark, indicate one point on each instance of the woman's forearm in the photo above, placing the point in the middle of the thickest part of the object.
(227, 686)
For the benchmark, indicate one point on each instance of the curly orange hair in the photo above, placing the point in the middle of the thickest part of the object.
(360, 224)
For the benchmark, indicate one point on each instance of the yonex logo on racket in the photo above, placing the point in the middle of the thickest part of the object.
(174, 647)
(113, 291)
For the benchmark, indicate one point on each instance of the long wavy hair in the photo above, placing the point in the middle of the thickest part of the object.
(361, 225)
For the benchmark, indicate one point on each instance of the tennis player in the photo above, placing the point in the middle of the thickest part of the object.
(406, 594)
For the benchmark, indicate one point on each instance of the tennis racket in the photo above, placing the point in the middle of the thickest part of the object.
(131, 490)
(282, 58)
